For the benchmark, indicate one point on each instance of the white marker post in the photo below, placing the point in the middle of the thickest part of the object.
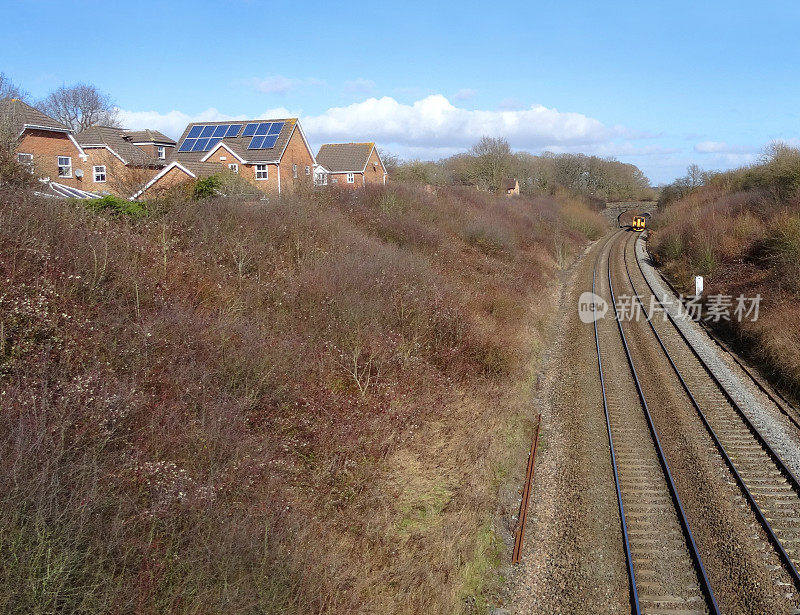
(698, 285)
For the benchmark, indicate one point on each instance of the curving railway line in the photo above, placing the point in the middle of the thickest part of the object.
(709, 511)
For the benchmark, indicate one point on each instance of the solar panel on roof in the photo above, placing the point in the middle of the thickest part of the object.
(275, 128)
(263, 128)
(207, 131)
(249, 130)
(233, 130)
(269, 141)
(200, 146)
(194, 132)
(212, 143)
(187, 145)
(256, 142)
(220, 131)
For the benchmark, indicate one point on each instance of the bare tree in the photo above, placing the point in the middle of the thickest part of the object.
(80, 106)
(9, 89)
(491, 160)
(694, 175)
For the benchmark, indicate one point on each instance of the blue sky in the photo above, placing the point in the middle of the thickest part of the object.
(660, 84)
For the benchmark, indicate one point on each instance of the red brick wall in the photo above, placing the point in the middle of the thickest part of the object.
(342, 180)
(297, 153)
(46, 147)
(373, 174)
(248, 171)
(152, 150)
(120, 179)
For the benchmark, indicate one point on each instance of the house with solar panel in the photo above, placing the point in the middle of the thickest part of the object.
(352, 165)
(122, 161)
(273, 155)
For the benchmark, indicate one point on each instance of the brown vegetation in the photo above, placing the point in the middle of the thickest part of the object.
(306, 405)
(742, 231)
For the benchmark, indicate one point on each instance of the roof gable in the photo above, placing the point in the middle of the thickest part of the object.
(345, 157)
(21, 116)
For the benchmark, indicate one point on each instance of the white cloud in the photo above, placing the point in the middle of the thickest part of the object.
(435, 123)
(431, 127)
(711, 147)
(464, 94)
(359, 86)
(720, 147)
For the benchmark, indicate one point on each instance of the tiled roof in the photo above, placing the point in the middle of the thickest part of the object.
(22, 114)
(148, 136)
(509, 183)
(345, 157)
(118, 141)
(239, 144)
(201, 169)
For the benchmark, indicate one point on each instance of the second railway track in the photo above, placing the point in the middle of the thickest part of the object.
(732, 505)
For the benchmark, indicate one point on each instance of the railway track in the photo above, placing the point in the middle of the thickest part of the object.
(664, 565)
(770, 488)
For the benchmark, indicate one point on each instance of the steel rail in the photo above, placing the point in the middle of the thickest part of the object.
(774, 395)
(634, 594)
(519, 534)
(708, 592)
(720, 447)
(790, 476)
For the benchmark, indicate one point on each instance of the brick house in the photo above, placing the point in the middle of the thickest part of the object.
(273, 155)
(45, 144)
(123, 161)
(351, 164)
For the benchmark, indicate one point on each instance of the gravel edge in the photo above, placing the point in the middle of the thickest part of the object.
(779, 433)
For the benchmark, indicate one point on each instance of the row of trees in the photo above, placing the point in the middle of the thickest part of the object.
(78, 106)
(491, 160)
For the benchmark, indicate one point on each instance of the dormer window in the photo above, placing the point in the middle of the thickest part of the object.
(162, 152)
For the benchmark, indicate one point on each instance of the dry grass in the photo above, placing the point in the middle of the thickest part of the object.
(745, 243)
(294, 407)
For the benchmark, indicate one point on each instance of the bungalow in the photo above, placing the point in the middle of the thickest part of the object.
(272, 154)
(510, 186)
(351, 164)
(44, 144)
(122, 161)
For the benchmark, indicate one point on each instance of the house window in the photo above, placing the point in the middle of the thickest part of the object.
(351, 178)
(294, 171)
(335, 180)
(308, 170)
(262, 172)
(162, 152)
(234, 167)
(64, 166)
(99, 173)
(26, 159)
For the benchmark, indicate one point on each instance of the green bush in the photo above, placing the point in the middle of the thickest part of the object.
(207, 187)
(116, 206)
